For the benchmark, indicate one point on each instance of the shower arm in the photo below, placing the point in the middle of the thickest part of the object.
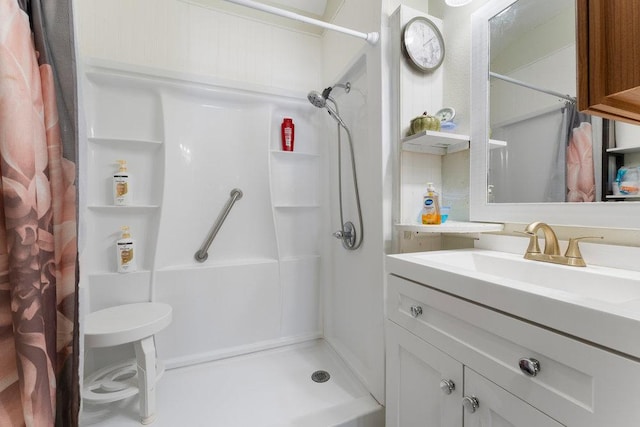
(371, 38)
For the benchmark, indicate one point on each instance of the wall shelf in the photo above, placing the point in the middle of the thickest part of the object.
(293, 153)
(623, 196)
(129, 208)
(433, 142)
(115, 275)
(292, 206)
(496, 143)
(452, 227)
(623, 150)
(125, 141)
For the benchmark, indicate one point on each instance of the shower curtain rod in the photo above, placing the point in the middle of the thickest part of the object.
(372, 38)
(530, 86)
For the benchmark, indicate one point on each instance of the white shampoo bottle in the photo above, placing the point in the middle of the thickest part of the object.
(122, 185)
(125, 252)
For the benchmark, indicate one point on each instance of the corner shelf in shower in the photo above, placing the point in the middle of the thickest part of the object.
(433, 142)
(293, 153)
(454, 227)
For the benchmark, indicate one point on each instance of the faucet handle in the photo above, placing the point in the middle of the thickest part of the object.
(534, 246)
(573, 250)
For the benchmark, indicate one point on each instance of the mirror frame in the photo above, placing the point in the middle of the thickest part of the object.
(624, 214)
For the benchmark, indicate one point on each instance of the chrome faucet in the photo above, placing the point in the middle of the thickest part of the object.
(551, 253)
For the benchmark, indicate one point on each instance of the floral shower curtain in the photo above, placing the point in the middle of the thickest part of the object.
(572, 177)
(580, 172)
(38, 243)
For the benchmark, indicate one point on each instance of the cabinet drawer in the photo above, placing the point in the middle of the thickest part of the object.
(578, 384)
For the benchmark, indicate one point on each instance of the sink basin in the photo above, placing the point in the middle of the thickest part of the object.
(594, 303)
(608, 285)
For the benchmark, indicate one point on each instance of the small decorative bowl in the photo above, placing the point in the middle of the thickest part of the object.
(424, 122)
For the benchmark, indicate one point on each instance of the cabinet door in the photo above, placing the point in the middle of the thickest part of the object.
(609, 58)
(415, 372)
(497, 407)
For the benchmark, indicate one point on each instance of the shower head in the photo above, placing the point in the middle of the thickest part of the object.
(316, 99)
(319, 100)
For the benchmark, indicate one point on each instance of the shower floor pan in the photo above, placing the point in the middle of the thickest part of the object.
(271, 388)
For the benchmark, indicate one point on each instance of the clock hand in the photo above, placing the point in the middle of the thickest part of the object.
(428, 41)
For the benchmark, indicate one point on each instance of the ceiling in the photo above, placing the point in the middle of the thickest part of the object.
(521, 18)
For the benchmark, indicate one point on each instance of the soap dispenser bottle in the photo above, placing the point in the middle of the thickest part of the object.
(431, 206)
(125, 252)
(122, 185)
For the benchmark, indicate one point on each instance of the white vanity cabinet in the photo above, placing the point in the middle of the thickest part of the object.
(434, 336)
(424, 385)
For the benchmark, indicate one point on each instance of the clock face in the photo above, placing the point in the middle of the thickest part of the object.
(423, 43)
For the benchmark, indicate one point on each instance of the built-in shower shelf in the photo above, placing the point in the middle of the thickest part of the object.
(130, 208)
(433, 142)
(294, 206)
(124, 141)
(451, 227)
(299, 258)
(292, 154)
(114, 274)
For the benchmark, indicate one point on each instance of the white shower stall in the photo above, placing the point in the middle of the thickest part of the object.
(276, 284)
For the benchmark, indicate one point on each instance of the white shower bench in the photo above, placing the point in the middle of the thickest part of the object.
(130, 323)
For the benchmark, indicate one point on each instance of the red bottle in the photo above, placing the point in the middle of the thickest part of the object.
(288, 134)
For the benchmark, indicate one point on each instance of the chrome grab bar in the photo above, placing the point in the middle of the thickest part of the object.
(202, 255)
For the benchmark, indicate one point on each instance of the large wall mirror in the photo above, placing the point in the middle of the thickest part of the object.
(533, 155)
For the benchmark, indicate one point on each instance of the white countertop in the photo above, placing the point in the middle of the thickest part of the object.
(597, 315)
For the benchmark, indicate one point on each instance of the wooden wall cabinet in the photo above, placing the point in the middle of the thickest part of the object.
(608, 35)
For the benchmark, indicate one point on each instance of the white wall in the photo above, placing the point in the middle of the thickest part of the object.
(182, 37)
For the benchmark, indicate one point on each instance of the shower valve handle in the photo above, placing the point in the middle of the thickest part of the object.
(342, 234)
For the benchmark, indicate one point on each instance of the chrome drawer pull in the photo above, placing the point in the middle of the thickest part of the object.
(416, 310)
(470, 403)
(529, 366)
(447, 386)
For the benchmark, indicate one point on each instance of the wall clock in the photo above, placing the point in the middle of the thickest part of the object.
(423, 44)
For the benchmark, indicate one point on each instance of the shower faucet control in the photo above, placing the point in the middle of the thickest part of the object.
(347, 234)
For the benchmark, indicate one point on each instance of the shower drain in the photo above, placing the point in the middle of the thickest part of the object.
(320, 376)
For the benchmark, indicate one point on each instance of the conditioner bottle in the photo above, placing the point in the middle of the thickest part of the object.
(122, 185)
(125, 252)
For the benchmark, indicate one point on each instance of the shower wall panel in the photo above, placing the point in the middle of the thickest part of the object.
(214, 145)
(189, 143)
(185, 37)
(353, 307)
